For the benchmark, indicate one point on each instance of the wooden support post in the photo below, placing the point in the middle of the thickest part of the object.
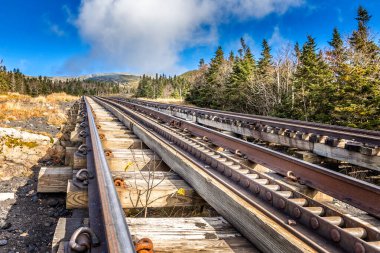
(53, 179)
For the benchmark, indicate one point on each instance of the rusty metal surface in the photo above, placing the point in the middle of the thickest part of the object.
(350, 190)
(361, 135)
(345, 232)
(117, 235)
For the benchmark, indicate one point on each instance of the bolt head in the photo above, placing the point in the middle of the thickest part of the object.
(314, 223)
(297, 212)
(335, 235)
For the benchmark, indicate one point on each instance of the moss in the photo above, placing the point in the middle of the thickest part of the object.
(51, 140)
(11, 142)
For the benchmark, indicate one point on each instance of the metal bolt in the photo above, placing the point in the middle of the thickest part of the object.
(268, 195)
(335, 235)
(359, 248)
(281, 203)
(297, 212)
(314, 223)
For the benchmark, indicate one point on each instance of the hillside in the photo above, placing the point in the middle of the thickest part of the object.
(102, 77)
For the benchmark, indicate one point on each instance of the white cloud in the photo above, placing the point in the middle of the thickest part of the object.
(277, 41)
(149, 35)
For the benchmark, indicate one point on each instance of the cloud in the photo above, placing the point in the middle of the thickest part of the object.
(277, 41)
(149, 35)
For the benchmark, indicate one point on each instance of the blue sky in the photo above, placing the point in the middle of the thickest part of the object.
(44, 37)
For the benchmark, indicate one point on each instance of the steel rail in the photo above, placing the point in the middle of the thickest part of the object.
(227, 173)
(361, 135)
(347, 189)
(118, 237)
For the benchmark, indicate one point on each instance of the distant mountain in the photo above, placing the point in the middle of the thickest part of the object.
(103, 77)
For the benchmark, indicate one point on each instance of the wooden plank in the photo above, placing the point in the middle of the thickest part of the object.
(69, 155)
(194, 234)
(119, 164)
(53, 179)
(75, 197)
(165, 193)
(79, 161)
(63, 231)
(56, 180)
(123, 143)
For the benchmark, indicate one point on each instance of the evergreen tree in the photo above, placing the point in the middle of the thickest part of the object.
(313, 82)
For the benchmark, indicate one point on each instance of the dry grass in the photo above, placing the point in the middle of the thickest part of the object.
(14, 106)
(175, 101)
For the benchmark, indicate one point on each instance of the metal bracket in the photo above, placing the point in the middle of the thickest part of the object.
(81, 178)
(82, 240)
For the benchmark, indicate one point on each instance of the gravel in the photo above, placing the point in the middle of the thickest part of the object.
(27, 223)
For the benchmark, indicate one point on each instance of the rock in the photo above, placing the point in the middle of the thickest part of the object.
(52, 202)
(5, 224)
(3, 242)
(34, 199)
(7, 122)
(47, 224)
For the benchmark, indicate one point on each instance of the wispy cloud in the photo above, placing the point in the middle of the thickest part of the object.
(277, 41)
(149, 35)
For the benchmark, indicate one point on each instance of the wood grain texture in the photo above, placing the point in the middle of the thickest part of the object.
(135, 194)
(177, 235)
(69, 155)
(79, 161)
(76, 197)
(53, 179)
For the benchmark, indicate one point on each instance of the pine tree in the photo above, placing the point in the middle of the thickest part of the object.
(360, 39)
(238, 86)
(313, 82)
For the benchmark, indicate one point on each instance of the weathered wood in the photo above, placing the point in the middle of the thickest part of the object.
(63, 231)
(308, 156)
(165, 193)
(75, 197)
(53, 179)
(79, 161)
(134, 159)
(123, 143)
(194, 234)
(69, 155)
(62, 176)
(366, 161)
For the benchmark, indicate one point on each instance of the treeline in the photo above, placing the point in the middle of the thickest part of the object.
(15, 81)
(162, 86)
(340, 85)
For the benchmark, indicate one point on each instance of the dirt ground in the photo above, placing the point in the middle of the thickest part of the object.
(28, 220)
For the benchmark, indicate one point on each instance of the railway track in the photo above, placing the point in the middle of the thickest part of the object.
(260, 122)
(278, 217)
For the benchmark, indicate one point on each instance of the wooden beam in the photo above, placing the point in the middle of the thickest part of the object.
(69, 155)
(195, 234)
(79, 161)
(75, 197)
(134, 159)
(133, 194)
(123, 143)
(53, 179)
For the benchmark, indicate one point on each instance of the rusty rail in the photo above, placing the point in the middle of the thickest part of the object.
(117, 235)
(257, 121)
(350, 190)
(261, 191)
